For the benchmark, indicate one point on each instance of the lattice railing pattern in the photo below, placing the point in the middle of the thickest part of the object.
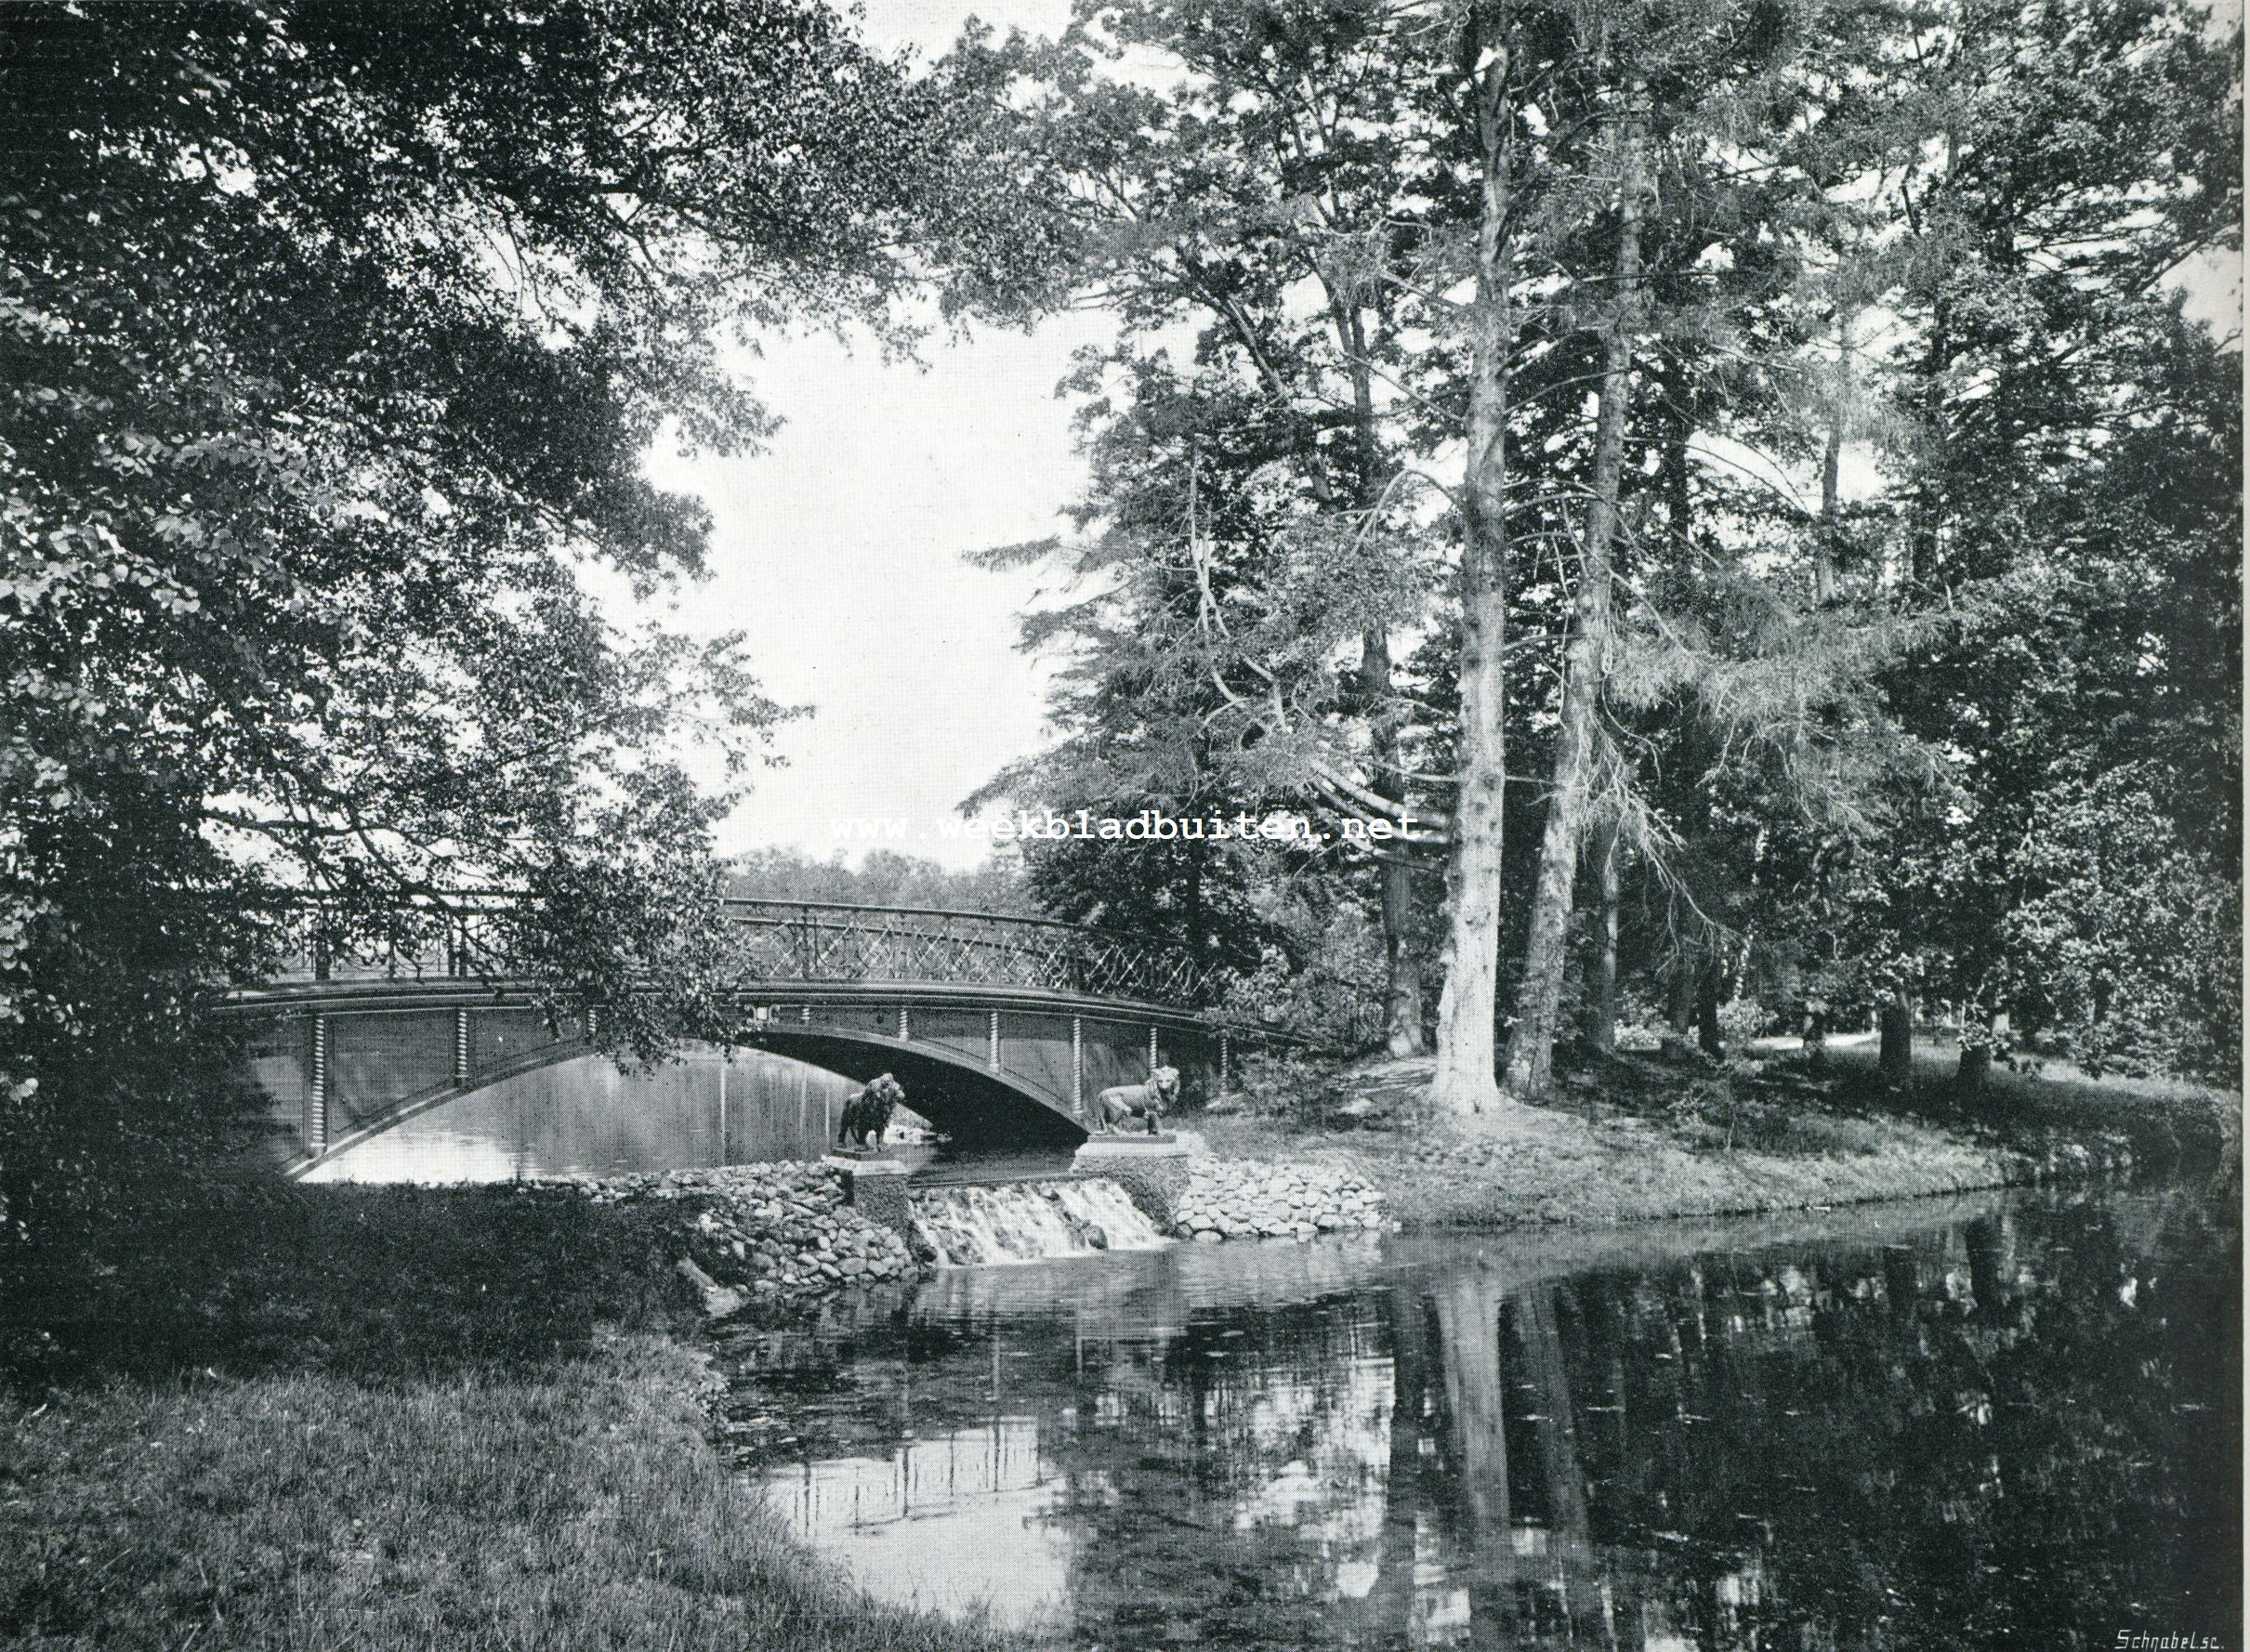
(787, 941)
(793, 941)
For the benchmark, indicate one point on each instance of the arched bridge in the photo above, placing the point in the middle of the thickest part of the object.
(1001, 1028)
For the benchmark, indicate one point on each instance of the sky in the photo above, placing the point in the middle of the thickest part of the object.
(839, 550)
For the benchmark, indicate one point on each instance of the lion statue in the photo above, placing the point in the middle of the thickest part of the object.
(867, 1114)
(1147, 1100)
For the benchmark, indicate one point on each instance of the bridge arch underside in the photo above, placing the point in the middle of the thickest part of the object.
(342, 1066)
(972, 1104)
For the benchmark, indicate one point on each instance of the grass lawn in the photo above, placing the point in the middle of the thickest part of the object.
(1638, 1139)
(391, 1418)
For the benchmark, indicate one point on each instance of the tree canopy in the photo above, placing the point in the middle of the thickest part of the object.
(1723, 441)
(334, 336)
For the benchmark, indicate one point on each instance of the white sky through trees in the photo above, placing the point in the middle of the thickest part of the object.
(839, 550)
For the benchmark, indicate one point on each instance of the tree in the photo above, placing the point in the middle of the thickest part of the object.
(1908, 684)
(1586, 656)
(884, 877)
(2056, 164)
(1466, 1079)
(334, 337)
(1147, 719)
(1272, 165)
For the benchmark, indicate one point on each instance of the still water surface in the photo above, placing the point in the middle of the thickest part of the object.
(588, 1116)
(2010, 1421)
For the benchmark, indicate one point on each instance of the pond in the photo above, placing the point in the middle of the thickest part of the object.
(588, 1116)
(2011, 1420)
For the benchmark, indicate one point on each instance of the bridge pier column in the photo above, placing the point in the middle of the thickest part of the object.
(1152, 1052)
(1222, 1063)
(991, 1054)
(460, 1046)
(1078, 1065)
(905, 1026)
(316, 1090)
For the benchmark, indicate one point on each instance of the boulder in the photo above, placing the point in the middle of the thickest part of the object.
(717, 1300)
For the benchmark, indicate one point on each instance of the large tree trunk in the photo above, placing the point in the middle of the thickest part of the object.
(1530, 1050)
(1466, 1080)
(1403, 1006)
(1402, 1003)
(1601, 980)
(1978, 1037)
(1832, 467)
(1976, 1069)
(1403, 1010)
(1707, 1033)
(1895, 1056)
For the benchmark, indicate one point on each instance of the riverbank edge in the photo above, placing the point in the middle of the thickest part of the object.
(1526, 1166)
(1744, 1185)
(1276, 1179)
(407, 1418)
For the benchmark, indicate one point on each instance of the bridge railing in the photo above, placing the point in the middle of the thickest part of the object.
(781, 941)
(793, 940)
(426, 939)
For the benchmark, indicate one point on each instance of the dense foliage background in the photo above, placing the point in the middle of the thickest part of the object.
(333, 338)
(1873, 518)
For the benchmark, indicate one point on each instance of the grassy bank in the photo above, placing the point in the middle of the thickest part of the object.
(1638, 1139)
(390, 1419)
(398, 1418)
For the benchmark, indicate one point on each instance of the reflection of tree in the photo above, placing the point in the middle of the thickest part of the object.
(1769, 1446)
(1919, 1436)
(1386, 1611)
(1220, 1482)
(1468, 1338)
(1984, 1431)
(1556, 1496)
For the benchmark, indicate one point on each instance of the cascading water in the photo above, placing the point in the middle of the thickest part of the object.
(1031, 1221)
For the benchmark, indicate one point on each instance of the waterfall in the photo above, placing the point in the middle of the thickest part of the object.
(1031, 1221)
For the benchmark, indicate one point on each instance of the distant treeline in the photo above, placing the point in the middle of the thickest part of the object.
(884, 877)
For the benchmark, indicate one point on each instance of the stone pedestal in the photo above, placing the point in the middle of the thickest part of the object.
(1136, 1148)
(1152, 1168)
(877, 1188)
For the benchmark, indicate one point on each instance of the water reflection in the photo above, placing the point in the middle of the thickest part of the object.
(588, 1116)
(1993, 1422)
